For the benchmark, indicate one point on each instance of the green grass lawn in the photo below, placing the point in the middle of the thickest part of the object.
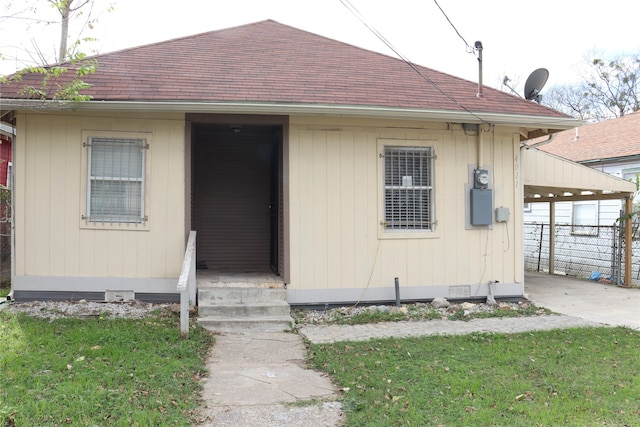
(5, 288)
(574, 377)
(99, 371)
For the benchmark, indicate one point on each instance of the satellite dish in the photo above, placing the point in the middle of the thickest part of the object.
(535, 83)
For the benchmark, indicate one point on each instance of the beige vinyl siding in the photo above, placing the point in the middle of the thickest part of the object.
(50, 179)
(336, 208)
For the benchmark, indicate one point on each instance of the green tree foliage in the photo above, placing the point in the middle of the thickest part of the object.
(54, 85)
(62, 81)
(609, 88)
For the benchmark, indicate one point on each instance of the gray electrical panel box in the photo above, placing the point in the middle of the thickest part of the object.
(481, 207)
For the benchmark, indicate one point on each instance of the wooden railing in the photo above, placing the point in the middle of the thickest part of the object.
(187, 284)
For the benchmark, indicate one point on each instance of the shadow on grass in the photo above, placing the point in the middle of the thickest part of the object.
(99, 371)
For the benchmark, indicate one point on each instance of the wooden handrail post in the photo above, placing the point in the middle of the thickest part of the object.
(187, 283)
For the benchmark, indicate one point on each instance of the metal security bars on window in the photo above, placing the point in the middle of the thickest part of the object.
(116, 180)
(408, 188)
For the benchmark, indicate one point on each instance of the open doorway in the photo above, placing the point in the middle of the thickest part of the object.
(237, 196)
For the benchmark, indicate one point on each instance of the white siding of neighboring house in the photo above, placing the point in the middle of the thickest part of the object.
(608, 210)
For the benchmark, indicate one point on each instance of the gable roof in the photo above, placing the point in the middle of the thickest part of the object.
(271, 63)
(607, 140)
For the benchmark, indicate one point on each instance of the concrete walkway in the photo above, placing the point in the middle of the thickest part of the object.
(262, 379)
(578, 302)
(322, 334)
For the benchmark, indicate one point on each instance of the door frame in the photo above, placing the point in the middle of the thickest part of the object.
(283, 174)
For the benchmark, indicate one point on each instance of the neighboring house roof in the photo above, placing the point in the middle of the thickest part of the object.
(608, 140)
(268, 62)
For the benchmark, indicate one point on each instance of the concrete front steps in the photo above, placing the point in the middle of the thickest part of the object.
(242, 304)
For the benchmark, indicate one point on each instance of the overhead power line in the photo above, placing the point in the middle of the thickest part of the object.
(384, 40)
(470, 49)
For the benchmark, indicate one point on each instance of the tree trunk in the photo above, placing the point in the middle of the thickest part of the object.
(64, 30)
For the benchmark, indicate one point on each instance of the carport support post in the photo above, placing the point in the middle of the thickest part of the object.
(552, 237)
(628, 236)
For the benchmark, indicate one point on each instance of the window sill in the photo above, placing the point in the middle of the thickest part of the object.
(403, 235)
(119, 226)
(584, 233)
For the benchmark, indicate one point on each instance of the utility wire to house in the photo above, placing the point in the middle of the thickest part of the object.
(470, 49)
(383, 39)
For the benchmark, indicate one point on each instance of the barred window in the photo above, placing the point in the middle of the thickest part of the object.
(115, 191)
(408, 188)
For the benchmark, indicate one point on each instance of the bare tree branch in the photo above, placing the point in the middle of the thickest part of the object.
(64, 80)
(610, 88)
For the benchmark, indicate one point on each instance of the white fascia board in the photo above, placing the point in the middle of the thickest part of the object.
(519, 120)
(7, 130)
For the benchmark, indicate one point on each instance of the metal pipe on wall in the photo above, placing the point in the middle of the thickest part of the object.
(480, 147)
(397, 285)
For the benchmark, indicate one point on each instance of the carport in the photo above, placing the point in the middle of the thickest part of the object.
(549, 178)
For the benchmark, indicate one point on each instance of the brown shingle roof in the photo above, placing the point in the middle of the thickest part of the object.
(271, 62)
(599, 141)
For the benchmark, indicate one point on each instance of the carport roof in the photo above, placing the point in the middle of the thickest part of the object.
(551, 178)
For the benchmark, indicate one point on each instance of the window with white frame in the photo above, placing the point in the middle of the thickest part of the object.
(632, 175)
(408, 188)
(584, 217)
(116, 180)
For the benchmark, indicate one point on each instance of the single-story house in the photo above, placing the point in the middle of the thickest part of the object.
(337, 168)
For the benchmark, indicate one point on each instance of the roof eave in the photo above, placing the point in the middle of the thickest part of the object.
(549, 124)
(628, 158)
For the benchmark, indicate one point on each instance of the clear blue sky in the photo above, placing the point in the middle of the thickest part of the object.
(517, 36)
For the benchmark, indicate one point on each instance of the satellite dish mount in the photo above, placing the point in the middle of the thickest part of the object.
(536, 81)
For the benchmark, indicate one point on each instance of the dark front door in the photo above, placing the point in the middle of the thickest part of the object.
(236, 196)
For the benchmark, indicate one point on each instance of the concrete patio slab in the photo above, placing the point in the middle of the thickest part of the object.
(589, 300)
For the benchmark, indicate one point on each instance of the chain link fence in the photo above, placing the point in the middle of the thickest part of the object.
(586, 252)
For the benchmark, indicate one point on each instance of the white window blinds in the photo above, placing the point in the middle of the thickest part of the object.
(408, 188)
(116, 180)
